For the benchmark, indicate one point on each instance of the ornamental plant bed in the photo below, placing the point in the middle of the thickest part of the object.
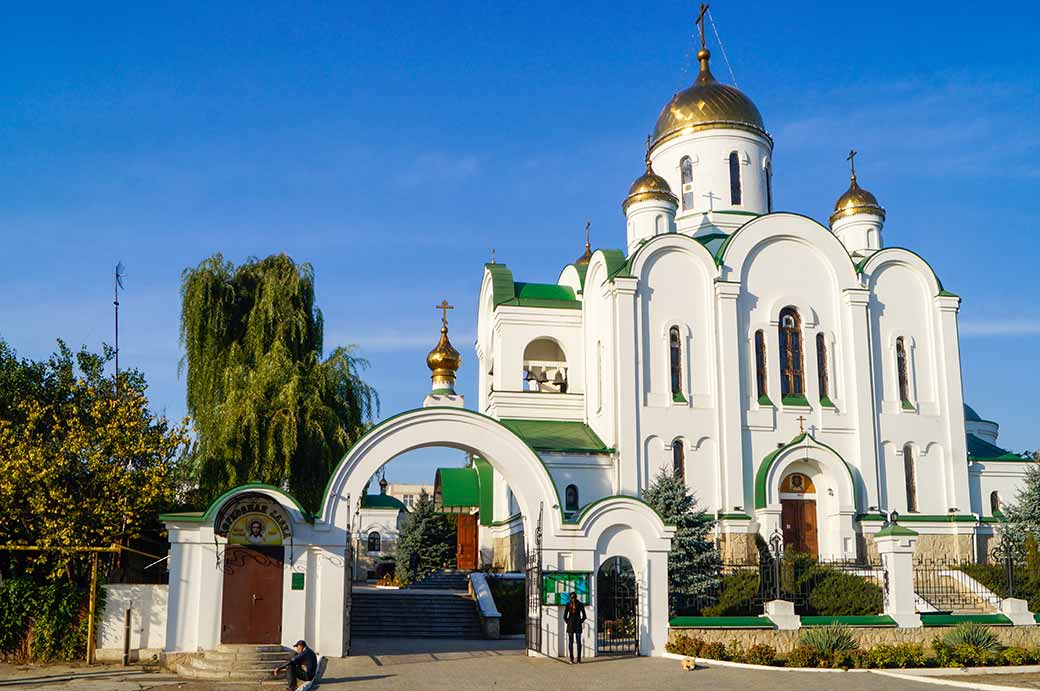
(834, 647)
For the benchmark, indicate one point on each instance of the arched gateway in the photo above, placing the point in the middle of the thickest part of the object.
(304, 593)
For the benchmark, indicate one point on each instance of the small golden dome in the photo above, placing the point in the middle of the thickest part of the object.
(444, 361)
(649, 185)
(856, 200)
(708, 104)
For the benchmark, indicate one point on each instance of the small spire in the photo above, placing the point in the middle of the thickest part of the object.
(383, 484)
(703, 55)
(492, 255)
(587, 256)
(444, 360)
(851, 158)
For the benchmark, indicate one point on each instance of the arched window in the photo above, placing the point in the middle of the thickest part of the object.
(760, 364)
(375, 542)
(678, 459)
(911, 479)
(734, 179)
(994, 503)
(792, 379)
(904, 379)
(686, 170)
(570, 498)
(769, 186)
(821, 366)
(675, 360)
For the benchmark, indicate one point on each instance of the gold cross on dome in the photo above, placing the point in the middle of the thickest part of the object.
(444, 307)
(851, 158)
(700, 23)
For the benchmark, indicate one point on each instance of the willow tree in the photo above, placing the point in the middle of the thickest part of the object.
(266, 406)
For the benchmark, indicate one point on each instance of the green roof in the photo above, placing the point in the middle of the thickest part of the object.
(895, 530)
(382, 501)
(504, 291)
(982, 450)
(557, 435)
(970, 415)
(457, 487)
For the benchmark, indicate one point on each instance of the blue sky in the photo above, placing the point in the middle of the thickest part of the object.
(392, 145)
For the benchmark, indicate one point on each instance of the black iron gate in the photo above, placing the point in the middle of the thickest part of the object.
(533, 582)
(617, 609)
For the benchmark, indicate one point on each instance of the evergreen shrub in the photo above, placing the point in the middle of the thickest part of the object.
(736, 593)
(689, 646)
(760, 654)
(843, 594)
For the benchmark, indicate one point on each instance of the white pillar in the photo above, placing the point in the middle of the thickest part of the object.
(859, 397)
(897, 545)
(951, 397)
(731, 451)
(627, 396)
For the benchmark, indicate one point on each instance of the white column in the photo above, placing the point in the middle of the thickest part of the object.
(859, 393)
(627, 378)
(897, 545)
(731, 452)
(656, 580)
(951, 398)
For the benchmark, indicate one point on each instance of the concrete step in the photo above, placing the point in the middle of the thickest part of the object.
(251, 647)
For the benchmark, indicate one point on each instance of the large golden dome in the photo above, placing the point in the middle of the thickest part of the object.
(649, 185)
(856, 200)
(705, 105)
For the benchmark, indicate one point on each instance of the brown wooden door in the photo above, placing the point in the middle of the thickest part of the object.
(252, 607)
(798, 518)
(466, 550)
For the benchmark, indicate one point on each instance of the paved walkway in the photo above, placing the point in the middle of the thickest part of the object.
(439, 665)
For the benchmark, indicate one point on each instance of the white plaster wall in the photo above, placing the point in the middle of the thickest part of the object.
(600, 353)
(148, 611)
(593, 474)
(1004, 478)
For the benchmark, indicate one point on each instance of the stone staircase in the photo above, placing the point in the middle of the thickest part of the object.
(413, 614)
(954, 592)
(250, 663)
(447, 579)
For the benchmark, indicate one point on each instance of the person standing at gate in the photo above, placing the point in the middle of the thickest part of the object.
(574, 616)
(302, 667)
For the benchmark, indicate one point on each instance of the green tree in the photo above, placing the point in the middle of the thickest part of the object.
(265, 406)
(694, 559)
(428, 534)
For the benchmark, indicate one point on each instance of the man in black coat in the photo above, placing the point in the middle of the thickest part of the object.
(302, 667)
(574, 616)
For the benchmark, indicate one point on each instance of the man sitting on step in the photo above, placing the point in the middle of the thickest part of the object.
(302, 666)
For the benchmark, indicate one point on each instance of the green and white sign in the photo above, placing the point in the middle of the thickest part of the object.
(557, 586)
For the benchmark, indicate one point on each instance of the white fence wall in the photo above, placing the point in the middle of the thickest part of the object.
(147, 604)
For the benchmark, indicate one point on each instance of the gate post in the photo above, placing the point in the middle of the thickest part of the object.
(897, 545)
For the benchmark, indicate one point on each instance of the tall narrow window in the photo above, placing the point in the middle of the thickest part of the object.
(821, 367)
(678, 459)
(675, 360)
(686, 170)
(994, 503)
(911, 479)
(374, 542)
(760, 364)
(792, 379)
(570, 500)
(904, 379)
(734, 178)
(769, 186)
(599, 376)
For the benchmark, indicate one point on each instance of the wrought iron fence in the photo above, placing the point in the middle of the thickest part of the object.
(950, 585)
(815, 586)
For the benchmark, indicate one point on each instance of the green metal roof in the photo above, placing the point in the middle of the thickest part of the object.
(457, 487)
(382, 501)
(504, 291)
(895, 530)
(557, 435)
(982, 450)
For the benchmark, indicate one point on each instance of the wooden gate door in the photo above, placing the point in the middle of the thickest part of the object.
(466, 550)
(798, 518)
(252, 601)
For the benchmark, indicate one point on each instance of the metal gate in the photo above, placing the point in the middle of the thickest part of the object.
(348, 587)
(617, 609)
(533, 581)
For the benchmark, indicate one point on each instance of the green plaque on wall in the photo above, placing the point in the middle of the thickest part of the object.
(297, 581)
(557, 586)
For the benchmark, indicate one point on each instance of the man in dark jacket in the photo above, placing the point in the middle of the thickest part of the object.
(574, 616)
(302, 667)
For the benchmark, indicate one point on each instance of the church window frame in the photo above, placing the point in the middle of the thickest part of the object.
(910, 478)
(675, 364)
(679, 459)
(994, 503)
(823, 369)
(903, 373)
(686, 183)
(375, 542)
(792, 357)
(736, 192)
(571, 499)
(761, 368)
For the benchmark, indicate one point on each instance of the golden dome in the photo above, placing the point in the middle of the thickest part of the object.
(444, 361)
(649, 185)
(856, 200)
(707, 104)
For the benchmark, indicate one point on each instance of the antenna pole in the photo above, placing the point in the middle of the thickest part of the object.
(116, 303)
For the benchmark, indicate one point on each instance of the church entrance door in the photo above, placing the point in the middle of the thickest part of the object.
(252, 606)
(466, 549)
(798, 514)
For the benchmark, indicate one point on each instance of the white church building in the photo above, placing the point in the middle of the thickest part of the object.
(804, 379)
